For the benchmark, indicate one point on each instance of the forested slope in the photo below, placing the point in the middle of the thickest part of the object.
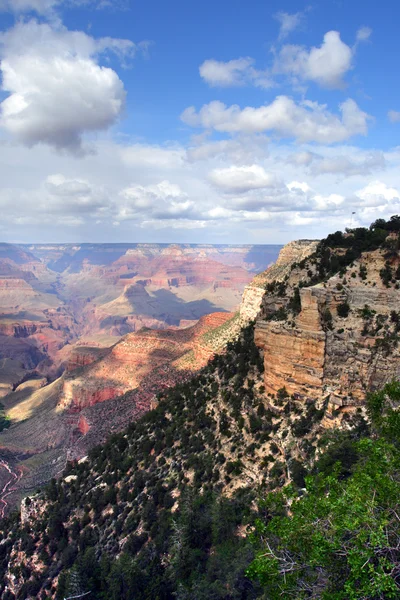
(224, 492)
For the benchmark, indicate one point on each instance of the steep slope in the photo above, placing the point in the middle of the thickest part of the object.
(161, 511)
(34, 322)
(101, 392)
(146, 354)
(209, 435)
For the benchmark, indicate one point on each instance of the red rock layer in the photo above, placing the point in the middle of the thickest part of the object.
(124, 366)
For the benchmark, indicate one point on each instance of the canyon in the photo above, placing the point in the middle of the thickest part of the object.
(53, 297)
(327, 336)
(314, 335)
(90, 333)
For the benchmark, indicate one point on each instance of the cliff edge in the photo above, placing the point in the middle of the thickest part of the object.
(329, 326)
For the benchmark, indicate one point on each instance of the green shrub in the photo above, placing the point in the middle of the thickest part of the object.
(343, 310)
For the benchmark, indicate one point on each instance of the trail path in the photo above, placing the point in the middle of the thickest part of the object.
(6, 490)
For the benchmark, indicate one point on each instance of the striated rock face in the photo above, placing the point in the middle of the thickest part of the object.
(149, 359)
(255, 291)
(81, 356)
(23, 329)
(294, 357)
(319, 353)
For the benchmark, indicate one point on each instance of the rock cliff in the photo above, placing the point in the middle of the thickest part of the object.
(255, 291)
(336, 338)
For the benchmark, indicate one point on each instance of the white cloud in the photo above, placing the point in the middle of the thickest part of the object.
(46, 7)
(233, 73)
(299, 185)
(378, 193)
(241, 150)
(224, 74)
(325, 65)
(50, 196)
(162, 201)
(74, 196)
(288, 22)
(58, 201)
(332, 201)
(241, 179)
(20, 6)
(363, 34)
(304, 158)
(57, 90)
(349, 166)
(394, 116)
(306, 122)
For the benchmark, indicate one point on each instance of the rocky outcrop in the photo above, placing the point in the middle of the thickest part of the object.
(22, 329)
(322, 352)
(254, 292)
(81, 356)
(294, 357)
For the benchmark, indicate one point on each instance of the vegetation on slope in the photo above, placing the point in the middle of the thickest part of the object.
(341, 539)
(5, 422)
(170, 509)
(161, 511)
(334, 255)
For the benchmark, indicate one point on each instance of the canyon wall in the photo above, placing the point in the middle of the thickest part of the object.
(254, 292)
(321, 353)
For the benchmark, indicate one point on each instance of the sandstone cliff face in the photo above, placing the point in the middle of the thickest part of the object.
(320, 354)
(148, 359)
(254, 292)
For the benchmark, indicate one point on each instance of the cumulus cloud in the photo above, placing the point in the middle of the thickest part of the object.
(241, 179)
(329, 202)
(378, 193)
(262, 195)
(376, 199)
(303, 159)
(57, 89)
(288, 22)
(306, 122)
(299, 185)
(325, 65)
(242, 150)
(76, 196)
(162, 201)
(235, 72)
(348, 166)
(231, 73)
(58, 201)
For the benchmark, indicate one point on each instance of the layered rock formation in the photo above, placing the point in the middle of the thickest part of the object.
(149, 358)
(325, 352)
(255, 291)
(53, 297)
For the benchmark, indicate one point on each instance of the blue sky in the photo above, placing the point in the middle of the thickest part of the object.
(224, 121)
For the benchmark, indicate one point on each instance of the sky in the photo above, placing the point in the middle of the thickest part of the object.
(223, 121)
